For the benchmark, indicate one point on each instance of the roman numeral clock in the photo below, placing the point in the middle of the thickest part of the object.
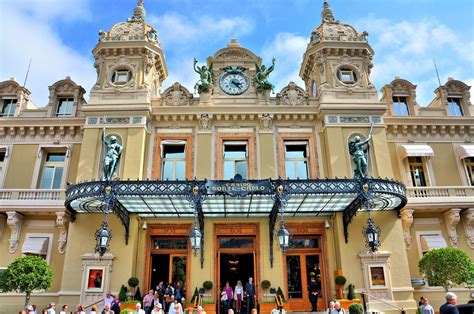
(234, 81)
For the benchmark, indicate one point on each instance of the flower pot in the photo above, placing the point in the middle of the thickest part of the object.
(209, 308)
(266, 308)
(339, 292)
(346, 303)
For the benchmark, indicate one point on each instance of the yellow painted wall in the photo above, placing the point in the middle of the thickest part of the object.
(73, 163)
(90, 148)
(394, 159)
(267, 155)
(133, 156)
(203, 151)
(21, 166)
(335, 148)
(444, 165)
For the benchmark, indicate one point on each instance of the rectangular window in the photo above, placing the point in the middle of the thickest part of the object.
(173, 162)
(469, 162)
(2, 162)
(38, 244)
(347, 76)
(52, 171)
(454, 105)
(417, 171)
(296, 160)
(235, 159)
(9, 107)
(400, 106)
(65, 107)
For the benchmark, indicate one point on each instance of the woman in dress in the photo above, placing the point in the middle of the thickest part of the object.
(238, 293)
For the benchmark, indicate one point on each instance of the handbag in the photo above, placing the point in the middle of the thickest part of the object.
(223, 296)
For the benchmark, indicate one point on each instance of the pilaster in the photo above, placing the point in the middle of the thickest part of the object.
(407, 222)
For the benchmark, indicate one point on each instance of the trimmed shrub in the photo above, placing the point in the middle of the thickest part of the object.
(265, 284)
(207, 285)
(356, 308)
(351, 295)
(340, 280)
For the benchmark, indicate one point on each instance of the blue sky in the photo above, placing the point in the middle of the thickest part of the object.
(406, 35)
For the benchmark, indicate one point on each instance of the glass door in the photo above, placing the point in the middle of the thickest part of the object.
(300, 269)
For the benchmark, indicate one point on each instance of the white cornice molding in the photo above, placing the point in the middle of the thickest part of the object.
(62, 221)
(452, 218)
(407, 222)
(41, 133)
(468, 222)
(14, 221)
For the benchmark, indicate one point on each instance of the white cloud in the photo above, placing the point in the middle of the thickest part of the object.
(176, 29)
(27, 35)
(407, 49)
(288, 50)
(67, 10)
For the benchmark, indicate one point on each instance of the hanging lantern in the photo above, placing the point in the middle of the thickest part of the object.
(372, 236)
(103, 236)
(195, 237)
(283, 237)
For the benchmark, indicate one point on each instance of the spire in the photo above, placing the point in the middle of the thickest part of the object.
(328, 13)
(139, 12)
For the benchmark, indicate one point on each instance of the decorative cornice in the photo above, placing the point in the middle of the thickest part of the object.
(62, 223)
(426, 129)
(452, 219)
(14, 221)
(39, 133)
(407, 222)
(468, 222)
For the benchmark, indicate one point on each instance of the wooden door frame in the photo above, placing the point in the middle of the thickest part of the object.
(316, 229)
(167, 231)
(236, 230)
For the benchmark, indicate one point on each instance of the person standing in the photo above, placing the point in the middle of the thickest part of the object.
(250, 294)
(338, 309)
(425, 307)
(116, 305)
(330, 308)
(230, 295)
(107, 310)
(147, 299)
(238, 294)
(313, 292)
(51, 308)
(450, 306)
(138, 309)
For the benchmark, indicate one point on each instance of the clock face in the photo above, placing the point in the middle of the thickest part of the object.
(234, 83)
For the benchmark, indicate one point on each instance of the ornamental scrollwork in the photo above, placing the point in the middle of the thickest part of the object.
(292, 95)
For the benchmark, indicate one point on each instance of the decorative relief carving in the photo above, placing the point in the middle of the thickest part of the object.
(265, 121)
(62, 222)
(14, 221)
(40, 134)
(407, 222)
(468, 222)
(292, 95)
(452, 219)
(233, 54)
(204, 122)
(177, 95)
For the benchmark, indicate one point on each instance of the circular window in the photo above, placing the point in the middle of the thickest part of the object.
(347, 75)
(121, 76)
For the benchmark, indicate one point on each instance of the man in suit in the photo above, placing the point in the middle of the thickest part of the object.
(450, 306)
(250, 293)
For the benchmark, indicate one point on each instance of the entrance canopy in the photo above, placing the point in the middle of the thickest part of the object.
(236, 198)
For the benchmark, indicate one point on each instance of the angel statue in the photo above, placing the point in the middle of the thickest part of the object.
(360, 154)
(261, 76)
(112, 157)
(205, 75)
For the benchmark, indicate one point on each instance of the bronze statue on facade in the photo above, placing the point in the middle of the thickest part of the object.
(112, 156)
(360, 154)
(261, 76)
(205, 75)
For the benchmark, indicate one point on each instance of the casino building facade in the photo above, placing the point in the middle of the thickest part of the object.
(233, 162)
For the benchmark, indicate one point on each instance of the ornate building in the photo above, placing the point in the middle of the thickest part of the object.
(232, 133)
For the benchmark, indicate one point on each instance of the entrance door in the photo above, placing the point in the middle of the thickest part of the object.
(300, 269)
(236, 261)
(169, 258)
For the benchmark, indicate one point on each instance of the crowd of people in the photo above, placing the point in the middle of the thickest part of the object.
(168, 299)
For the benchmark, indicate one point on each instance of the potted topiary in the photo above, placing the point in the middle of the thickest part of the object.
(266, 306)
(340, 282)
(356, 308)
(208, 306)
(351, 298)
(133, 283)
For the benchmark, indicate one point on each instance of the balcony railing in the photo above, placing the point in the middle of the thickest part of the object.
(440, 191)
(31, 195)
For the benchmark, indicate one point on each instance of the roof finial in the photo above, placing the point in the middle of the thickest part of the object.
(328, 13)
(139, 12)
